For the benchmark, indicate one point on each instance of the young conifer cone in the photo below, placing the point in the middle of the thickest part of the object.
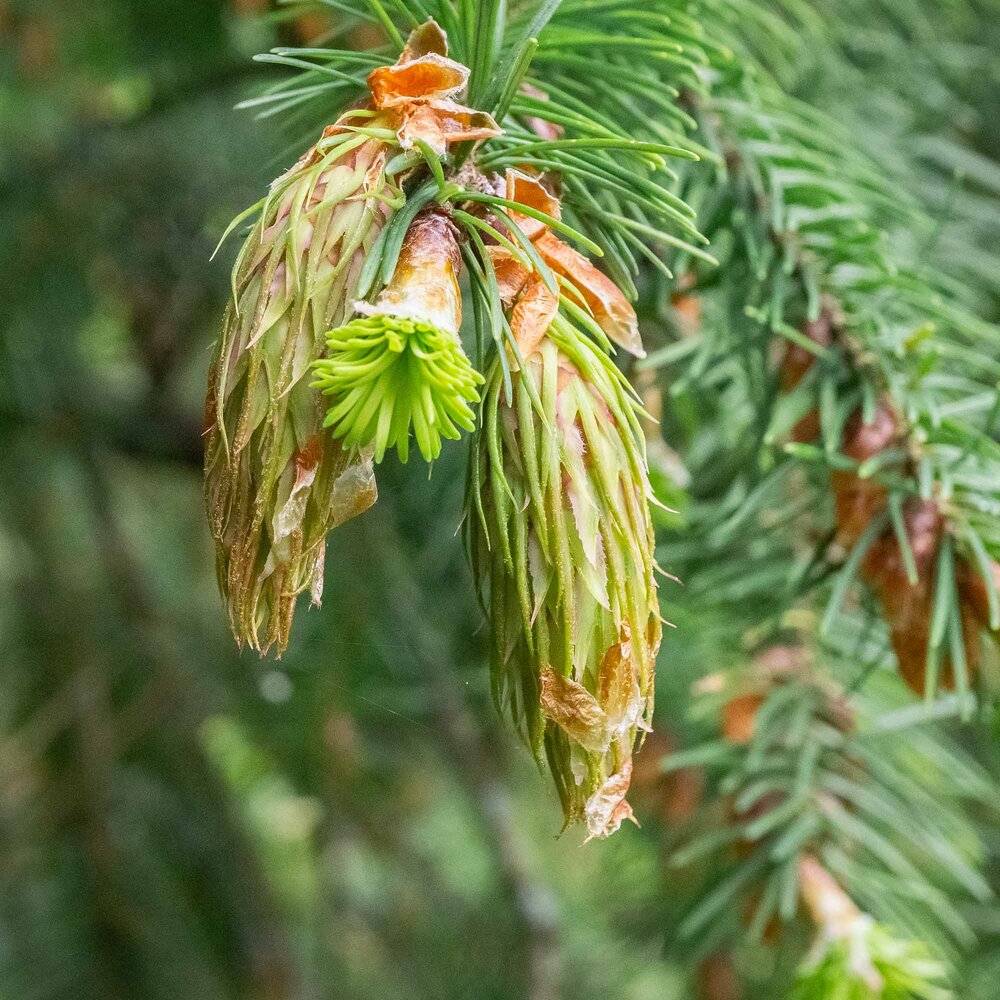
(559, 528)
(562, 546)
(275, 484)
(400, 362)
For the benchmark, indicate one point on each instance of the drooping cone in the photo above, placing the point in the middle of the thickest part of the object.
(275, 484)
(559, 527)
(400, 363)
(856, 959)
(562, 547)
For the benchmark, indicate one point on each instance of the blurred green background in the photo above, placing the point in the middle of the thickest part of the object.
(178, 820)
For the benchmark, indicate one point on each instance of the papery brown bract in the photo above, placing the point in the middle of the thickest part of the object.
(973, 592)
(420, 90)
(739, 715)
(611, 311)
(424, 285)
(857, 501)
(908, 607)
(718, 979)
(797, 363)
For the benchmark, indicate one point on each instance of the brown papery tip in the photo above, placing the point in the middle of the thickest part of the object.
(612, 312)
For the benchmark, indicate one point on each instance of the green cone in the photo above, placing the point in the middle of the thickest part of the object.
(562, 547)
(275, 484)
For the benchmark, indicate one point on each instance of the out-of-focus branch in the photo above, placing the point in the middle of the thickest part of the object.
(271, 966)
(535, 904)
(32, 170)
(133, 430)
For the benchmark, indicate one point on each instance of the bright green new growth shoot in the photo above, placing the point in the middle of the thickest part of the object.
(904, 970)
(855, 958)
(400, 364)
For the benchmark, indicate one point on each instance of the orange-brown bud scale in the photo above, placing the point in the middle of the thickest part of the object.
(419, 91)
(908, 607)
(738, 717)
(858, 501)
(687, 312)
(973, 593)
(717, 978)
(827, 903)
(855, 956)
(796, 363)
(424, 285)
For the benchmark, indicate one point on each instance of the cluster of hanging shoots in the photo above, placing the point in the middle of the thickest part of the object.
(903, 562)
(776, 716)
(275, 483)
(560, 531)
(785, 673)
(313, 383)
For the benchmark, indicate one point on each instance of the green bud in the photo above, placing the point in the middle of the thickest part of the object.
(855, 958)
(562, 547)
(872, 964)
